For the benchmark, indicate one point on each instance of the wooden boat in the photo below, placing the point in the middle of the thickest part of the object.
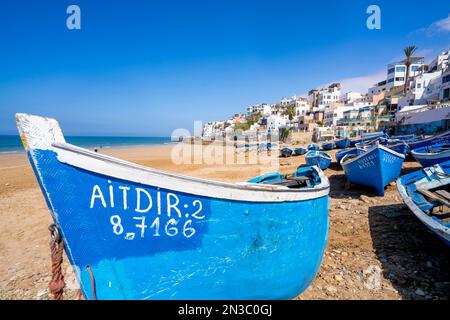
(342, 144)
(406, 137)
(436, 139)
(396, 145)
(328, 145)
(341, 153)
(318, 158)
(375, 167)
(313, 146)
(286, 152)
(300, 151)
(425, 192)
(431, 155)
(149, 234)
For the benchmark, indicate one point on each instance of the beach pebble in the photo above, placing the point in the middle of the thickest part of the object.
(339, 278)
(330, 289)
(419, 292)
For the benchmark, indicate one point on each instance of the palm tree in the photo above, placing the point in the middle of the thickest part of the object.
(409, 51)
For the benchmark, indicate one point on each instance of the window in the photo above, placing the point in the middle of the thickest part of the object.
(414, 68)
(391, 70)
(419, 85)
(446, 78)
(400, 69)
(391, 80)
(399, 79)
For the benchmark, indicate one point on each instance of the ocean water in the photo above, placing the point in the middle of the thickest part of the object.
(13, 144)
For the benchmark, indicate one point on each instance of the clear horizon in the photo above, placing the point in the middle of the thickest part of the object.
(143, 69)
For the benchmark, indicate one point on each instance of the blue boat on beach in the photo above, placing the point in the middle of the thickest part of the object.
(300, 151)
(328, 145)
(431, 155)
(286, 152)
(313, 146)
(342, 144)
(424, 142)
(396, 145)
(425, 192)
(376, 167)
(318, 158)
(341, 153)
(133, 232)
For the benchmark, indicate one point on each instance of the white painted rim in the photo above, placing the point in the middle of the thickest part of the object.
(36, 129)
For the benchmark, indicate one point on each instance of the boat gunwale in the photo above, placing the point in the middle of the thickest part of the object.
(324, 185)
(369, 151)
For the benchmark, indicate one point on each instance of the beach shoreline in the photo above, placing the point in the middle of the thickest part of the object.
(362, 236)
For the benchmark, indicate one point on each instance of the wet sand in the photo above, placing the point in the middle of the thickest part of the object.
(377, 249)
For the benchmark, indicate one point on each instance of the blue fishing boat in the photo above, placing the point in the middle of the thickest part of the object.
(328, 145)
(426, 194)
(313, 146)
(396, 145)
(406, 137)
(375, 167)
(318, 158)
(341, 153)
(431, 155)
(300, 151)
(286, 152)
(437, 139)
(353, 142)
(133, 232)
(342, 144)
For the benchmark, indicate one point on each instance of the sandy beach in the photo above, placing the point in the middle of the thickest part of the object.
(371, 238)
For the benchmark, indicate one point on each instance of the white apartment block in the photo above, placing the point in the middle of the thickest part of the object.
(396, 72)
(263, 108)
(329, 95)
(350, 97)
(423, 88)
(274, 122)
(332, 115)
(440, 63)
(444, 93)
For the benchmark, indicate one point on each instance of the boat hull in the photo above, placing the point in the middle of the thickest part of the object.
(148, 241)
(375, 168)
(317, 158)
(438, 139)
(430, 159)
(340, 154)
(328, 146)
(342, 144)
(407, 189)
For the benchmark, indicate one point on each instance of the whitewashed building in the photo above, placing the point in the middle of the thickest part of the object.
(274, 122)
(263, 108)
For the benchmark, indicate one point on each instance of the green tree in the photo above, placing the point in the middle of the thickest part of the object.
(409, 51)
(289, 111)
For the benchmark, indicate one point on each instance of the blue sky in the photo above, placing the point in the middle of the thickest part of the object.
(148, 67)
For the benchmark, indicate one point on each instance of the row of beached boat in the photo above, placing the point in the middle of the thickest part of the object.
(377, 160)
(133, 232)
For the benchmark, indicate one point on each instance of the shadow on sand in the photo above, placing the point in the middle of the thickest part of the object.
(413, 259)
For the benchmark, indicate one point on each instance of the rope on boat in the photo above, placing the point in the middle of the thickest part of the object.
(56, 284)
(91, 275)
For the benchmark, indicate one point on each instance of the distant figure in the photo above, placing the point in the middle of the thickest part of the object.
(95, 150)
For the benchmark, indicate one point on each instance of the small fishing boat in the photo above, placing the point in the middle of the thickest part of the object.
(318, 158)
(300, 151)
(354, 142)
(133, 232)
(328, 145)
(376, 167)
(313, 146)
(431, 155)
(372, 135)
(341, 153)
(406, 137)
(424, 142)
(425, 192)
(396, 145)
(286, 152)
(342, 144)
